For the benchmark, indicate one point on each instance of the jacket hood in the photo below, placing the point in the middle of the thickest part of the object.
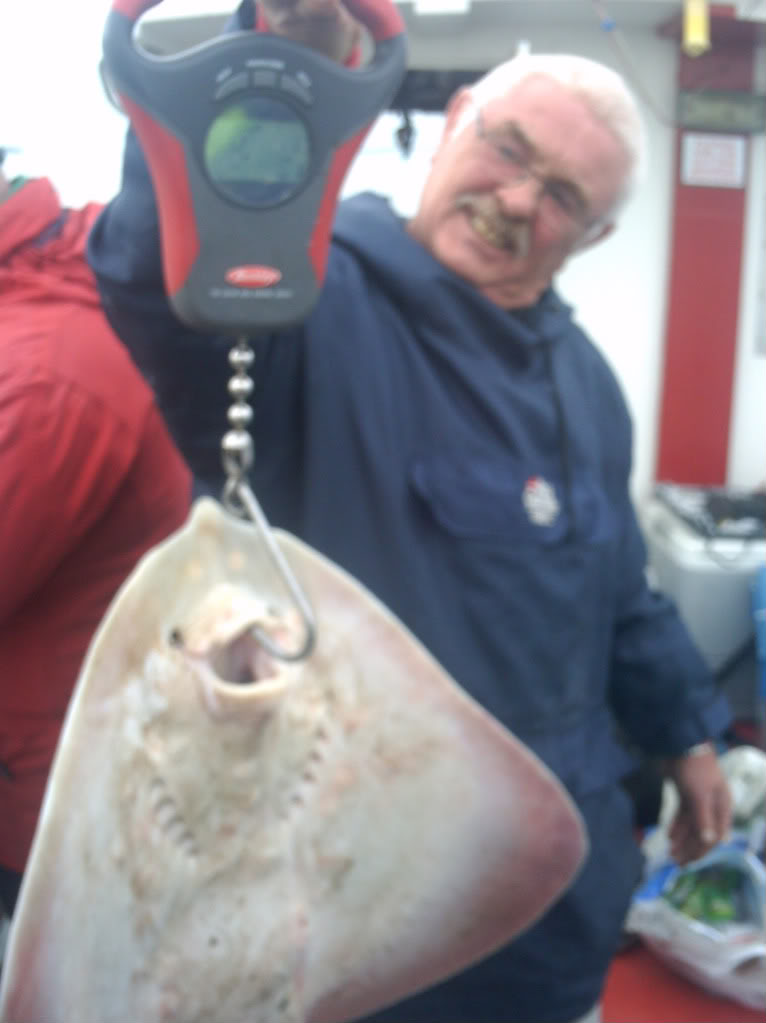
(42, 246)
(367, 225)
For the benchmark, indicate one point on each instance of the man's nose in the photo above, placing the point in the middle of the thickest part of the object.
(520, 197)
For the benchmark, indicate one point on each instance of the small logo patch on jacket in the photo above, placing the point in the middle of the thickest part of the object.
(540, 501)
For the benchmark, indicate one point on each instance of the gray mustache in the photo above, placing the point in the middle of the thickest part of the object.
(513, 233)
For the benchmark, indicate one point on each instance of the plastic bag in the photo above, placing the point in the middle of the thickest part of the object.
(707, 920)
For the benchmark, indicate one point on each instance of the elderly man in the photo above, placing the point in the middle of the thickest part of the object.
(442, 429)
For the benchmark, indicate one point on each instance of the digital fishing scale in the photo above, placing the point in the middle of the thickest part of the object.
(248, 137)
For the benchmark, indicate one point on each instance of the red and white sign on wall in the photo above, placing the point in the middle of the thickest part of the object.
(713, 161)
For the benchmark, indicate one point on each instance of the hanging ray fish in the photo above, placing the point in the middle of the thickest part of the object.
(234, 838)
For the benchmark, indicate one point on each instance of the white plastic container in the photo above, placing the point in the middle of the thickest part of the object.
(709, 580)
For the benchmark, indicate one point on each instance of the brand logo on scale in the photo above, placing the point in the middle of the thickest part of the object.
(253, 275)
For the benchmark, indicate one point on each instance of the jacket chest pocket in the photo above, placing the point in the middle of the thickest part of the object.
(520, 534)
(527, 568)
(497, 501)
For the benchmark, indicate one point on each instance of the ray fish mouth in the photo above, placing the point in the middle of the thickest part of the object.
(242, 660)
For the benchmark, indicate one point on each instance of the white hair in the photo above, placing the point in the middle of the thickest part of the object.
(603, 90)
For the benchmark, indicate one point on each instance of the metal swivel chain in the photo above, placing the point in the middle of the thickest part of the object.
(237, 453)
(237, 445)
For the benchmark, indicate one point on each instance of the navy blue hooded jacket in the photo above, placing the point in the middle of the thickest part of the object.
(470, 466)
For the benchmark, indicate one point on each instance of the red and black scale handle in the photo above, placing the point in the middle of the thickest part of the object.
(248, 137)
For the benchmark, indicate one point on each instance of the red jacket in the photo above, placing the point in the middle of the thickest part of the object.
(89, 480)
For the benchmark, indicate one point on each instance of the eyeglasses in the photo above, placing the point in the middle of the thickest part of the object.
(560, 202)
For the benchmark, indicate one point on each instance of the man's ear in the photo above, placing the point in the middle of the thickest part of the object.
(597, 233)
(460, 103)
(458, 106)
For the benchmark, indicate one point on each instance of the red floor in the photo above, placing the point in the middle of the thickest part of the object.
(642, 990)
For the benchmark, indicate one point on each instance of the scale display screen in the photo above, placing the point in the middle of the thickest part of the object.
(257, 151)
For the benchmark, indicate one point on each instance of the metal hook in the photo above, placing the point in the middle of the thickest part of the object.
(237, 448)
(247, 499)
